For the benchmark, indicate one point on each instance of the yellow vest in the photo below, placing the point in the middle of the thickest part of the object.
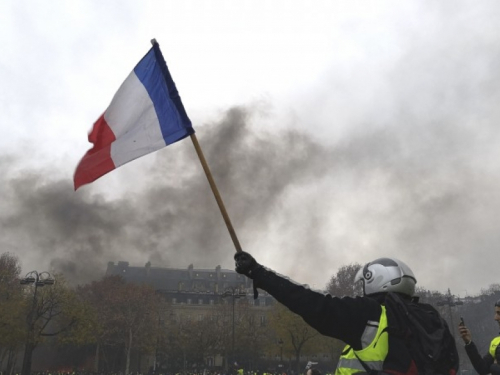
(493, 346)
(375, 348)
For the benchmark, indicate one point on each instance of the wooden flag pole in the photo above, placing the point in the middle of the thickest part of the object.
(216, 193)
(211, 181)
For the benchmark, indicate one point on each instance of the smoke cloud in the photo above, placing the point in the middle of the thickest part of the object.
(405, 190)
(384, 157)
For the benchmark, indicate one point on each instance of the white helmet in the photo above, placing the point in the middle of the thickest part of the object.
(386, 275)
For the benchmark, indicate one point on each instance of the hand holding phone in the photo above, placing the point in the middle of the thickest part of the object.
(462, 323)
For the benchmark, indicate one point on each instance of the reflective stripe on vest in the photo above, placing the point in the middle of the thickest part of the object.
(355, 364)
(493, 346)
(375, 346)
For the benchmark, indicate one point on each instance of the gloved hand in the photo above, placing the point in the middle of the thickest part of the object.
(245, 264)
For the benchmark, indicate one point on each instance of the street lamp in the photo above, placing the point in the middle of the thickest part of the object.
(450, 302)
(280, 343)
(234, 293)
(40, 280)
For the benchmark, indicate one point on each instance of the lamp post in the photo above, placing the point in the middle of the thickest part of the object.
(280, 343)
(159, 334)
(450, 301)
(156, 362)
(234, 293)
(39, 279)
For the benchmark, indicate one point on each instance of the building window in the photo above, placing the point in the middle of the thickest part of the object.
(174, 301)
(200, 302)
(262, 320)
(211, 301)
(189, 301)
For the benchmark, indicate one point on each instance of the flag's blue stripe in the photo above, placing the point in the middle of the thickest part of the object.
(174, 124)
(172, 90)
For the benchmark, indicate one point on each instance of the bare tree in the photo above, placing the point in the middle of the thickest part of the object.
(12, 324)
(296, 334)
(50, 311)
(342, 283)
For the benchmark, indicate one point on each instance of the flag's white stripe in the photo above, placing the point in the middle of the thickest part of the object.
(132, 118)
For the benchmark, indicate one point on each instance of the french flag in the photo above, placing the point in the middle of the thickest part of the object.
(145, 115)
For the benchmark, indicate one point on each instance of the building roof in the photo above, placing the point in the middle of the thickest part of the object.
(176, 279)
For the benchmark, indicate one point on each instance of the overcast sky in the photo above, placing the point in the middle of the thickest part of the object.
(337, 132)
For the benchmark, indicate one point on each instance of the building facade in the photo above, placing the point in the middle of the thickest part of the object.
(190, 286)
(196, 295)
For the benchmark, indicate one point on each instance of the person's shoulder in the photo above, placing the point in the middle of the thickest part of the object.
(363, 304)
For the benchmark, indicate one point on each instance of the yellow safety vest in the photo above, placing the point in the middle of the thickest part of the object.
(375, 346)
(493, 346)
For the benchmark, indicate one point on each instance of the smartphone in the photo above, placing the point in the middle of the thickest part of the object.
(462, 323)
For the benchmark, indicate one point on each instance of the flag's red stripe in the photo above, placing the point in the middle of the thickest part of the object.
(97, 161)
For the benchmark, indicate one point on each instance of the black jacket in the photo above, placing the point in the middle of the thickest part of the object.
(483, 365)
(342, 318)
(346, 318)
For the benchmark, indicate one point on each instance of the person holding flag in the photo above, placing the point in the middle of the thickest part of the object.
(375, 344)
